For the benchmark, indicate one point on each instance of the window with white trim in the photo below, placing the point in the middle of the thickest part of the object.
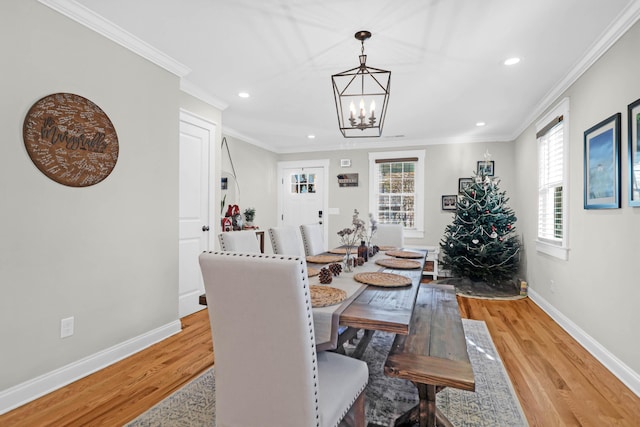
(552, 135)
(396, 189)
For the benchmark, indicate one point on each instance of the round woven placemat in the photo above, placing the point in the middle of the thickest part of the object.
(343, 251)
(388, 280)
(324, 259)
(387, 248)
(402, 264)
(404, 254)
(322, 296)
(312, 271)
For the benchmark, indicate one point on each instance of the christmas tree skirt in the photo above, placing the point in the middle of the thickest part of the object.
(467, 288)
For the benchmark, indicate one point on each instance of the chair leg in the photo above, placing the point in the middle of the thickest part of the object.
(356, 415)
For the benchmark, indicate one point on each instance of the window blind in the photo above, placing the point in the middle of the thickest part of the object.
(550, 181)
(395, 194)
(405, 159)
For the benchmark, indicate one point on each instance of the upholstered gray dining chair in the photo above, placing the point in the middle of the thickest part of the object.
(267, 370)
(389, 235)
(312, 239)
(286, 241)
(239, 241)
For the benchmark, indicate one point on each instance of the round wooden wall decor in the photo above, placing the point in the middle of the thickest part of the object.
(70, 139)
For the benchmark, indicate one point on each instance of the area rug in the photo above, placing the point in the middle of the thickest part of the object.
(494, 402)
(467, 288)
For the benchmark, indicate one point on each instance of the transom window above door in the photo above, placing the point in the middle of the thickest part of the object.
(302, 183)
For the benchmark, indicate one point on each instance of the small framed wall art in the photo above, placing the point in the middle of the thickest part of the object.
(463, 184)
(449, 202)
(633, 111)
(485, 167)
(602, 164)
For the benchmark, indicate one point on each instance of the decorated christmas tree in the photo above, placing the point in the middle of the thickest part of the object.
(481, 243)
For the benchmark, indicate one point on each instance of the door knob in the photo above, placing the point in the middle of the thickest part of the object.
(205, 228)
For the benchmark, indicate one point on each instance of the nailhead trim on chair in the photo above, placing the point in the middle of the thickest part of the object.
(273, 242)
(351, 404)
(305, 242)
(305, 286)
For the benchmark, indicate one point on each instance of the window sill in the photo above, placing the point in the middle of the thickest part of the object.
(555, 251)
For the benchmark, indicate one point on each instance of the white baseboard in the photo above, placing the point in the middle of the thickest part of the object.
(618, 368)
(27, 391)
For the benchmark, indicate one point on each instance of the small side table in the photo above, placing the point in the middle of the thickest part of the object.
(260, 235)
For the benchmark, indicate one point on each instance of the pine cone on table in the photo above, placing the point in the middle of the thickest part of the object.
(360, 260)
(325, 276)
(335, 268)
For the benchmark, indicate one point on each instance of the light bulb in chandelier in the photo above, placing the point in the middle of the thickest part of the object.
(361, 121)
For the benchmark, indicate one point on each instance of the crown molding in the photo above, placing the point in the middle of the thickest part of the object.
(113, 32)
(235, 134)
(188, 87)
(625, 20)
(389, 143)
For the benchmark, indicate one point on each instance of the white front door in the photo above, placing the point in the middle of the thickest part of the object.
(196, 159)
(303, 193)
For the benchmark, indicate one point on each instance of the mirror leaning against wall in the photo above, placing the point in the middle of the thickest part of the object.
(229, 188)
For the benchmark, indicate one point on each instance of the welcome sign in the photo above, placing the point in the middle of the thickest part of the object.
(70, 140)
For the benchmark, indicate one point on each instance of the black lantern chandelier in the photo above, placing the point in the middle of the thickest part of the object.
(361, 95)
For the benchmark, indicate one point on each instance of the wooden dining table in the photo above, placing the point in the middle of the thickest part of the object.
(376, 308)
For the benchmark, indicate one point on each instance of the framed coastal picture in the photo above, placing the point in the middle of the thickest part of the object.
(485, 167)
(633, 112)
(463, 183)
(449, 202)
(602, 164)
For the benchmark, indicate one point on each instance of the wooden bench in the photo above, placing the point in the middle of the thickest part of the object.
(434, 354)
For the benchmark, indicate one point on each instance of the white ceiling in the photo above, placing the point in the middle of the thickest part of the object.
(446, 58)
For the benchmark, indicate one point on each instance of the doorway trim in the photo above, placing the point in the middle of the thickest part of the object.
(188, 300)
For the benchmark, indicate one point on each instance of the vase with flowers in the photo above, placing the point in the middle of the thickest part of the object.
(348, 238)
(369, 235)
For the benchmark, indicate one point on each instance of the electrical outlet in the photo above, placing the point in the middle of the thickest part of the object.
(552, 285)
(66, 327)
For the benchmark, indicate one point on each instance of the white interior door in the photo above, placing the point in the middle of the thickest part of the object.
(303, 193)
(196, 160)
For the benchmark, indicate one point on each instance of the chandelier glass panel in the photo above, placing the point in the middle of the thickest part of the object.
(361, 95)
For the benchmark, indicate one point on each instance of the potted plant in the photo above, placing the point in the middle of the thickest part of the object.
(249, 215)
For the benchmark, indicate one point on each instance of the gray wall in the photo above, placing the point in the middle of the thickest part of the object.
(106, 254)
(444, 164)
(597, 288)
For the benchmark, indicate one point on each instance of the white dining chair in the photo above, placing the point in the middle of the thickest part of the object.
(239, 241)
(257, 383)
(389, 235)
(312, 239)
(286, 241)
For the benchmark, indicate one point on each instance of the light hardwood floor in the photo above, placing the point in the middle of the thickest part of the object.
(557, 381)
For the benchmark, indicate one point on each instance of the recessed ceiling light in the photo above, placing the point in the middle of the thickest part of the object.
(243, 94)
(480, 124)
(311, 136)
(512, 61)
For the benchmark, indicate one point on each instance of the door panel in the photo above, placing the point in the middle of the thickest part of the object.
(303, 196)
(196, 137)
(303, 193)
